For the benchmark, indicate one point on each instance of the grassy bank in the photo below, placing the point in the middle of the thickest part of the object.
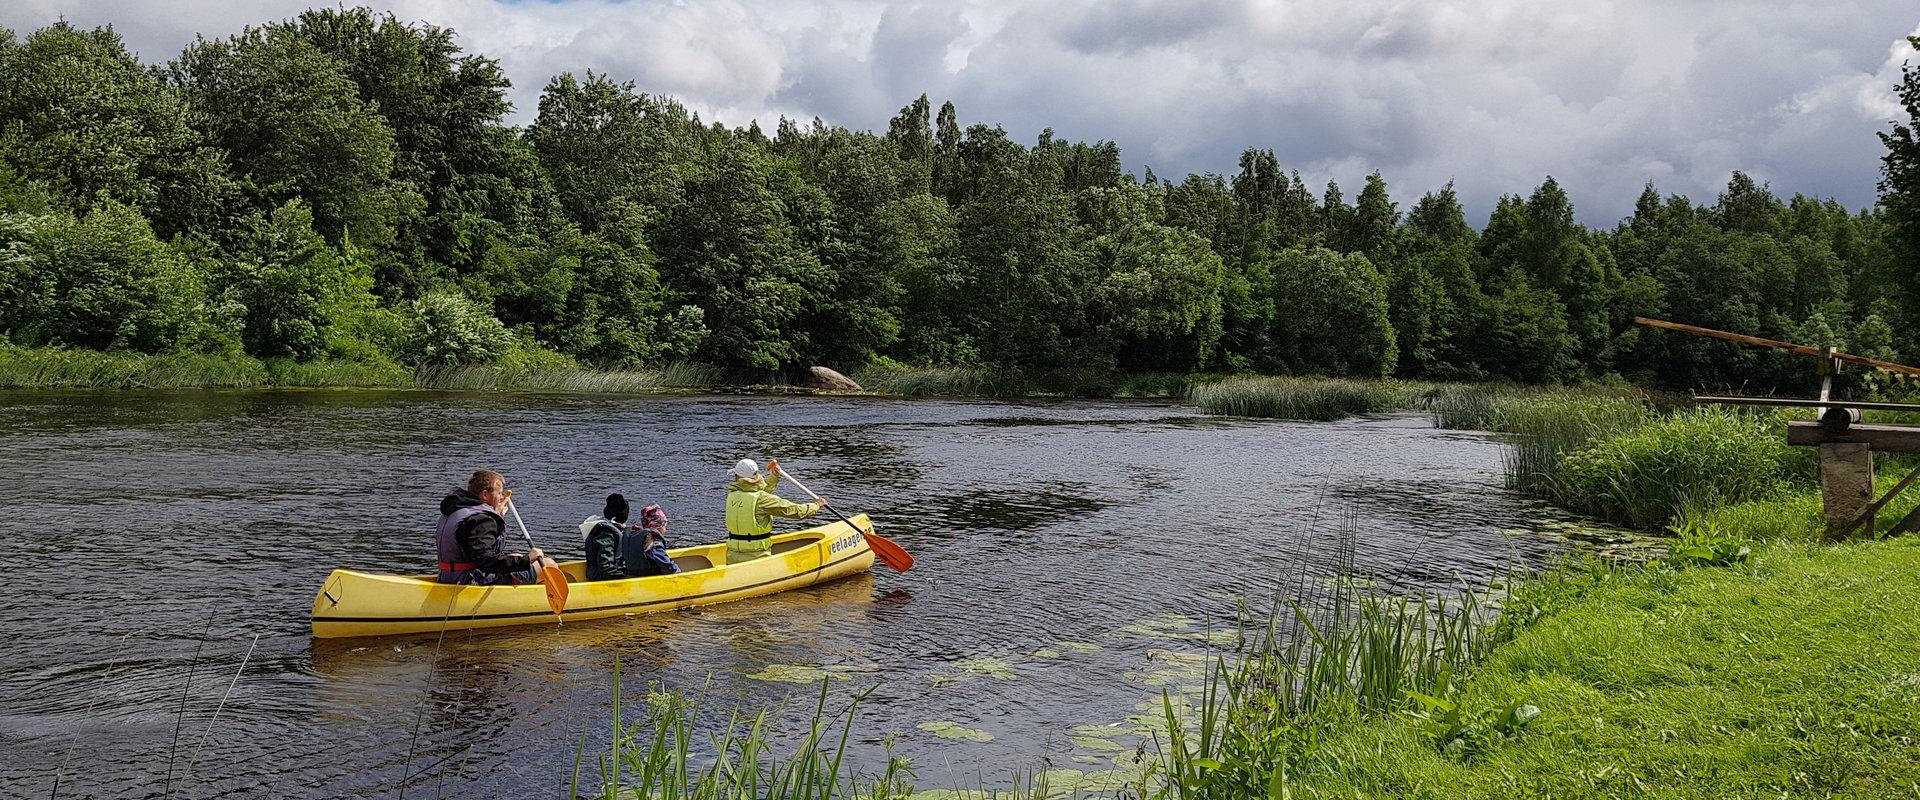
(1794, 675)
(1316, 399)
(991, 382)
(23, 368)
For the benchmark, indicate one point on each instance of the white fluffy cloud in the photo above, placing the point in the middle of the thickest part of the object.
(1490, 94)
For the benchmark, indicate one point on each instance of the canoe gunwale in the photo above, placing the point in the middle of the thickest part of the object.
(826, 553)
(622, 607)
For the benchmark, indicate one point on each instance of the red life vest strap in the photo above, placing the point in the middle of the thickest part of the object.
(460, 567)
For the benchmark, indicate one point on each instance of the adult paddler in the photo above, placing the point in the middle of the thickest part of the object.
(751, 507)
(471, 537)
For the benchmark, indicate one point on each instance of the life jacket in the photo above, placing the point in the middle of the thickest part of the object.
(748, 530)
(454, 568)
(641, 560)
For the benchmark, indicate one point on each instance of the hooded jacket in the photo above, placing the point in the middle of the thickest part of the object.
(469, 541)
(603, 549)
(751, 507)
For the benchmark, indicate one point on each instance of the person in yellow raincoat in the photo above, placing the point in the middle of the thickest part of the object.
(751, 507)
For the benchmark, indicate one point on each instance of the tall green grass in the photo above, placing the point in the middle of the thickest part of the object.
(1547, 428)
(995, 382)
(662, 757)
(1697, 459)
(569, 379)
(1299, 398)
(60, 368)
(1326, 659)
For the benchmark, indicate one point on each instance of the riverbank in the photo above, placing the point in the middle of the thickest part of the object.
(52, 368)
(1793, 674)
(1749, 660)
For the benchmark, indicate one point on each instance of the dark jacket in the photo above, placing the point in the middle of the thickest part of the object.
(472, 549)
(603, 550)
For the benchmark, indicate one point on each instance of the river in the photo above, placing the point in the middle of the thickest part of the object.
(160, 539)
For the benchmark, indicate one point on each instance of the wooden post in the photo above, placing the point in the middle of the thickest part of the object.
(1846, 485)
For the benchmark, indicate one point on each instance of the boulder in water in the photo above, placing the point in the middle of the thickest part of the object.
(823, 378)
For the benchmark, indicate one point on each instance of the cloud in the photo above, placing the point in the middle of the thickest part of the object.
(1493, 95)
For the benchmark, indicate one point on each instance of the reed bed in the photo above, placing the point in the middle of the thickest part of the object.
(326, 373)
(1299, 398)
(994, 382)
(1548, 428)
(484, 378)
(662, 757)
(58, 368)
(1349, 652)
(1697, 459)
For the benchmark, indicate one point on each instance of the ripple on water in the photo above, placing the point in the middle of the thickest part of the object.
(1061, 546)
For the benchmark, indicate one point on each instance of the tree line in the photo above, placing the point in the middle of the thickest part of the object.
(343, 185)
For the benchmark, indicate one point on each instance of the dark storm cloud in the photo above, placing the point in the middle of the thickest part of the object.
(1491, 94)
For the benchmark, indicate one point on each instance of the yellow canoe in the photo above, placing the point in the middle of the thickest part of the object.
(354, 603)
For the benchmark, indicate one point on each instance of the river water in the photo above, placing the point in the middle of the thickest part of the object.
(161, 540)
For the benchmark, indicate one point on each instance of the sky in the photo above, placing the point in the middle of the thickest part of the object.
(1492, 95)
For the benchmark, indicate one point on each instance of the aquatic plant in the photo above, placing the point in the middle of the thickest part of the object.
(661, 757)
(1299, 398)
(996, 382)
(60, 368)
(1694, 459)
(1348, 651)
(1548, 427)
(568, 379)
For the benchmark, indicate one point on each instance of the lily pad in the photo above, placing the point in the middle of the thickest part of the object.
(939, 679)
(1102, 731)
(951, 730)
(1096, 744)
(991, 666)
(1158, 626)
(796, 673)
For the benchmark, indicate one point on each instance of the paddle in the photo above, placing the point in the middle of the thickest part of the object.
(550, 576)
(889, 553)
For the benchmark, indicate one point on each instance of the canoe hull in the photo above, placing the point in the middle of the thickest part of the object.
(353, 603)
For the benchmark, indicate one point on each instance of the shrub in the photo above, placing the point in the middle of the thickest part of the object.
(1548, 427)
(446, 328)
(1697, 458)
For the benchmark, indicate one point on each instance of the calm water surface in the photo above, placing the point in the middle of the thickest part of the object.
(164, 538)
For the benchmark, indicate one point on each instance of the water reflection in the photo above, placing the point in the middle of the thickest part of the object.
(1053, 539)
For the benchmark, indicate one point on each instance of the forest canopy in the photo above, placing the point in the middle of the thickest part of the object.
(343, 185)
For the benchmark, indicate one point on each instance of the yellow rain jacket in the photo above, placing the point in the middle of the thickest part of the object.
(751, 507)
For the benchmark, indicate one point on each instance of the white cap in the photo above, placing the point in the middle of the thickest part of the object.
(745, 468)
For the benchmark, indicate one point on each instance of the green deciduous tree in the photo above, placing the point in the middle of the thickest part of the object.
(80, 116)
(102, 281)
(293, 126)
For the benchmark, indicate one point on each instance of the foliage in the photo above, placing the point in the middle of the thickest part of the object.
(1697, 544)
(1693, 459)
(1296, 398)
(288, 287)
(102, 281)
(446, 328)
(1702, 682)
(623, 232)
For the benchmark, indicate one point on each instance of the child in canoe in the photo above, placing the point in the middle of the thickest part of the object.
(617, 550)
